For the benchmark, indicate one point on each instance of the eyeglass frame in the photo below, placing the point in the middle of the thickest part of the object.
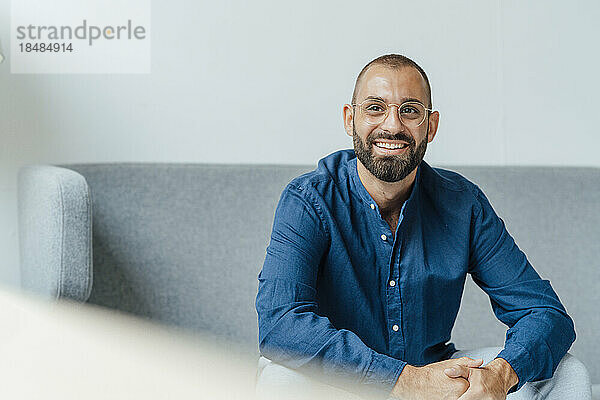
(428, 110)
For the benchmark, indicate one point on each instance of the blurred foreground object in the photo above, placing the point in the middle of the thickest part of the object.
(66, 350)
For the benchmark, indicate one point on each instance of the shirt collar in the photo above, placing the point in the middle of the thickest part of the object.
(360, 189)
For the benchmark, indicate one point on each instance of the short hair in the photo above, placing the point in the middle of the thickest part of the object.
(394, 61)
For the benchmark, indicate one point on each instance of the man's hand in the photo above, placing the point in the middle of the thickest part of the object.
(490, 382)
(430, 383)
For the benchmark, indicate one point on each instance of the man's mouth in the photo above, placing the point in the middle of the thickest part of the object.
(390, 146)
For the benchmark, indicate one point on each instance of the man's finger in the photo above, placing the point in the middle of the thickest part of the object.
(461, 369)
(457, 371)
(469, 362)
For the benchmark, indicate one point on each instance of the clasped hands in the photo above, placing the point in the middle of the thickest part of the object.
(489, 382)
(456, 379)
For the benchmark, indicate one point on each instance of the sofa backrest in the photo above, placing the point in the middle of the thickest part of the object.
(183, 244)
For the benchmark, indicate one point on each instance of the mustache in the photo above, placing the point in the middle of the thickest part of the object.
(374, 137)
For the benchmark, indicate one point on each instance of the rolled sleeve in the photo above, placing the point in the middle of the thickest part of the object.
(384, 372)
(520, 360)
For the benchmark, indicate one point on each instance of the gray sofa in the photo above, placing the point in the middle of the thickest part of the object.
(182, 244)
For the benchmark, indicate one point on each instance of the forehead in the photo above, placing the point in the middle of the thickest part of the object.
(392, 84)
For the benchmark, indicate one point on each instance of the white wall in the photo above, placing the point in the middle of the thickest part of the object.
(264, 82)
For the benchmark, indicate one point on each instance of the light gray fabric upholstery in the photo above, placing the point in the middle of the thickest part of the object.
(183, 243)
(55, 232)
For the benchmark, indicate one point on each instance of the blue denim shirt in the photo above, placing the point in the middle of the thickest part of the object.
(341, 294)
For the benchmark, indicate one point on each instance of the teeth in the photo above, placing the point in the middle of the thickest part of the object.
(390, 145)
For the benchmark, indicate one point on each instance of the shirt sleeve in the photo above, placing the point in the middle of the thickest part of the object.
(291, 332)
(540, 330)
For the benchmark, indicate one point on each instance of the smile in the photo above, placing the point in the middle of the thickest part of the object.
(390, 148)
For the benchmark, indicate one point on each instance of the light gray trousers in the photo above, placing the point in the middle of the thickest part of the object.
(571, 381)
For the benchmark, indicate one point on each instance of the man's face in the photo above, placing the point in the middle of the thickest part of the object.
(392, 86)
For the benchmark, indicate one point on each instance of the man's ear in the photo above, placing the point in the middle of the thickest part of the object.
(432, 125)
(347, 116)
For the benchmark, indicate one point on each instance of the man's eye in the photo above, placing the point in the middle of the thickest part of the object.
(408, 110)
(375, 108)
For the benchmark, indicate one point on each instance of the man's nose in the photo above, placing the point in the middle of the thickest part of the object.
(392, 121)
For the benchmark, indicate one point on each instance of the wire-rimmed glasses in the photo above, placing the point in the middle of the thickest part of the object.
(411, 113)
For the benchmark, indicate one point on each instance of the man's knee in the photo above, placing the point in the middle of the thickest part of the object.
(570, 380)
(275, 381)
(573, 364)
(571, 369)
(274, 373)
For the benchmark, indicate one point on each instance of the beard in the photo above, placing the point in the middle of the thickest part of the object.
(391, 168)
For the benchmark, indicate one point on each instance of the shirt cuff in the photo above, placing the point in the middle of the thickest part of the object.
(383, 373)
(520, 360)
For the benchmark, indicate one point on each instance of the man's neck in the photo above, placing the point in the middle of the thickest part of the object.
(389, 196)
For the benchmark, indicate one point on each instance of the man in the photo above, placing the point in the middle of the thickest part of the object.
(369, 253)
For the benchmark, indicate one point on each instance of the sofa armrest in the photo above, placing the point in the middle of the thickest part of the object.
(55, 232)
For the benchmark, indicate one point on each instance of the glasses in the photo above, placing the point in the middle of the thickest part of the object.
(411, 113)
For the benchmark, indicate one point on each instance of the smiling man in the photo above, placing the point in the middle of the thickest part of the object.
(368, 257)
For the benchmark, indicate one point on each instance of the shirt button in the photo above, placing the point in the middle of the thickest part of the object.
(392, 283)
(372, 206)
(383, 237)
(395, 328)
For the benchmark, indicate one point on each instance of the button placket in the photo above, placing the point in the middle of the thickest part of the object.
(383, 236)
(394, 296)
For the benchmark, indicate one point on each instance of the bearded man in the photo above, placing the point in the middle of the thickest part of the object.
(365, 269)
